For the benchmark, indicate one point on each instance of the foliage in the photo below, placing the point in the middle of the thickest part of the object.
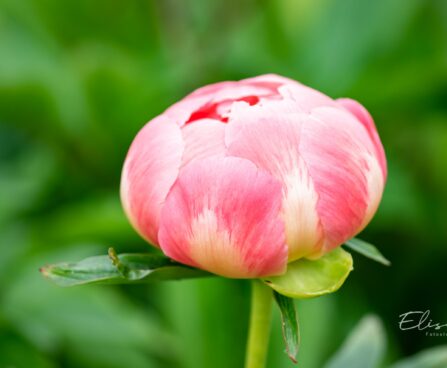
(77, 81)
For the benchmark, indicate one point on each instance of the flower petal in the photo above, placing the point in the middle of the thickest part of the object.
(270, 136)
(151, 167)
(366, 119)
(223, 215)
(203, 138)
(340, 158)
(305, 98)
(205, 102)
(271, 81)
(326, 162)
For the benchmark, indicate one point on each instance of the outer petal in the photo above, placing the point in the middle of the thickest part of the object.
(151, 167)
(269, 80)
(223, 215)
(270, 137)
(305, 98)
(376, 163)
(375, 185)
(366, 119)
(203, 138)
(243, 116)
(340, 158)
(181, 111)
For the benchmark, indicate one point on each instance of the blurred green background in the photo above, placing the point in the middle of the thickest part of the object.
(78, 79)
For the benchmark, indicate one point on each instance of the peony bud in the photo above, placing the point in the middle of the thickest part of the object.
(240, 178)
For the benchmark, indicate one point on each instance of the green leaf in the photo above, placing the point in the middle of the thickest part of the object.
(431, 358)
(364, 347)
(368, 250)
(307, 279)
(290, 329)
(122, 269)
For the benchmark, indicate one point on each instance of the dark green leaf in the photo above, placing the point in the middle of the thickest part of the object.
(307, 279)
(124, 269)
(368, 250)
(290, 328)
(364, 347)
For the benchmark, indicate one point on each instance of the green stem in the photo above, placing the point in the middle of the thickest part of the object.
(259, 332)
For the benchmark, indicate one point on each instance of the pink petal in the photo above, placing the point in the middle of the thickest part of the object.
(211, 89)
(151, 167)
(272, 81)
(306, 98)
(326, 162)
(204, 102)
(223, 215)
(339, 156)
(366, 119)
(270, 137)
(375, 184)
(242, 115)
(240, 91)
(181, 111)
(203, 138)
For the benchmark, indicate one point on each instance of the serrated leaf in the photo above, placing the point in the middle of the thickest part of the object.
(133, 268)
(367, 249)
(290, 328)
(364, 347)
(307, 279)
(431, 358)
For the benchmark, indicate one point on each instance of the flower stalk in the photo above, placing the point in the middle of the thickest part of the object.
(259, 328)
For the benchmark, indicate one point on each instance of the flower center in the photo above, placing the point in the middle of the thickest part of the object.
(219, 110)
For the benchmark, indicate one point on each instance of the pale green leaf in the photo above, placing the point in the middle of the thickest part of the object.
(431, 358)
(364, 347)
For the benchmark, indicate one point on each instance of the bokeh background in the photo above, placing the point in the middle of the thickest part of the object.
(78, 79)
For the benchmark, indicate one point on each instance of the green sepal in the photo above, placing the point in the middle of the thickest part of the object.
(311, 278)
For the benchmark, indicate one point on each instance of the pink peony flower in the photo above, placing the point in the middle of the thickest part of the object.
(240, 178)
